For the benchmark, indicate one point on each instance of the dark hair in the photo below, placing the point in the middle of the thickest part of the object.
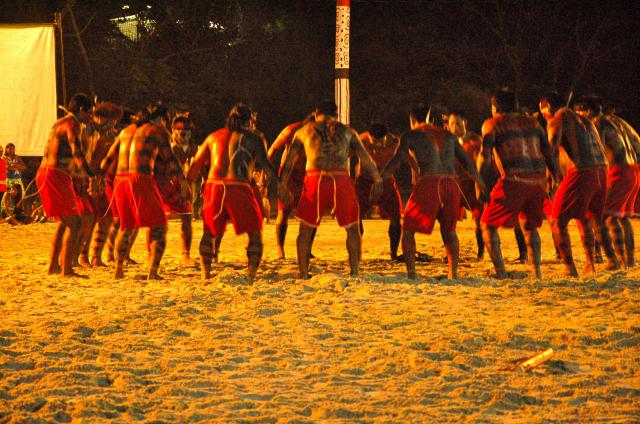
(144, 118)
(504, 101)
(378, 130)
(10, 145)
(589, 102)
(239, 115)
(419, 112)
(458, 112)
(108, 110)
(158, 110)
(181, 119)
(553, 98)
(19, 187)
(79, 102)
(327, 107)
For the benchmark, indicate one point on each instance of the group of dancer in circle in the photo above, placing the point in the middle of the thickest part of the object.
(99, 179)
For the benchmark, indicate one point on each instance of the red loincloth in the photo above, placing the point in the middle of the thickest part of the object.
(83, 203)
(56, 192)
(390, 203)
(228, 198)
(326, 189)
(434, 197)
(138, 201)
(581, 195)
(621, 191)
(517, 197)
(171, 198)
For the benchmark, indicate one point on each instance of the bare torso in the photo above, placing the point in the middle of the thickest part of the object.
(517, 141)
(471, 143)
(283, 142)
(617, 148)
(233, 153)
(630, 133)
(125, 139)
(433, 148)
(147, 141)
(380, 151)
(327, 144)
(58, 151)
(577, 140)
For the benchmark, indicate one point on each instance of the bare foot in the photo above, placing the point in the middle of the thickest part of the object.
(119, 272)
(187, 261)
(73, 274)
(97, 262)
(205, 275)
(588, 269)
(153, 275)
(130, 261)
(54, 269)
(571, 271)
(411, 275)
(83, 261)
(612, 265)
(501, 275)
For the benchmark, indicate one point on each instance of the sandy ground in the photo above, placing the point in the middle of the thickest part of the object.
(378, 348)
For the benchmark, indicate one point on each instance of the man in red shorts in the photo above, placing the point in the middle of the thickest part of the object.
(436, 196)
(62, 152)
(232, 152)
(136, 193)
(634, 139)
(327, 145)
(521, 151)
(617, 235)
(172, 184)
(296, 181)
(582, 191)
(471, 143)
(381, 146)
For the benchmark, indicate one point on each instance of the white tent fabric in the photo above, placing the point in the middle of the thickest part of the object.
(27, 86)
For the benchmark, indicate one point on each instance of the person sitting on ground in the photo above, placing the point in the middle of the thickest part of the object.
(15, 166)
(12, 211)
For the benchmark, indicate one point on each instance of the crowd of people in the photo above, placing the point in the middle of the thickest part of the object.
(106, 173)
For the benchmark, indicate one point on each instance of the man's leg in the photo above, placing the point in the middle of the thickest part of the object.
(522, 245)
(629, 242)
(281, 230)
(121, 249)
(603, 237)
(111, 239)
(409, 252)
(532, 238)
(158, 238)
(492, 244)
(303, 244)
(354, 245)
(617, 238)
(68, 252)
(186, 235)
(84, 239)
(55, 266)
(586, 226)
(452, 248)
(206, 255)
(479, 239)
(395, 233)
(562, 242)
(99, 239)
(254, 253)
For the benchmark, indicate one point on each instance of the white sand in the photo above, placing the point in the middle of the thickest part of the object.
(378, 348)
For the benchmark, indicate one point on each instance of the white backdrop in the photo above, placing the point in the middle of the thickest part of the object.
(27, 86)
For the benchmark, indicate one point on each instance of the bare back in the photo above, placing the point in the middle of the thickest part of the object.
(519, 143)
(63, 141)
(576, 139)
(630, 133)
(616, 146)
(149, 140)
(327, 144)
(380, 151)
(233, 153)
(433, 148)
(124, 141)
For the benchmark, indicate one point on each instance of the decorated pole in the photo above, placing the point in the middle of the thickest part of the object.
(343, 15)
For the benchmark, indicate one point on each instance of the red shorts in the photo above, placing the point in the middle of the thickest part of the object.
(258, 196)
(636, 205)
(83, 203)
(295, 185)
(621, 191)
(100, 206)
(56, 192)
(331, 188)
(516, 197)
(434, 197)
(390, 203)
(581, 195)
(138, 201)
(171, 197)
(226, 199)
(469, 200)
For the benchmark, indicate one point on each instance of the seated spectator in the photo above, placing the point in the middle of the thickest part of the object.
(3, 174)
(15, 166)
(12, 206)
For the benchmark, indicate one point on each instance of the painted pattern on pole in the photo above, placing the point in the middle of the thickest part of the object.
(343, 16)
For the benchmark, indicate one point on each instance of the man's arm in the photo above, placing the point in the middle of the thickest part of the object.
(367, 163)
(76, 148)
(295, 148)
(201, 157)
(469, 166)
(263, 162)
(486, 151)
(165, 152)
(112, 155)
(549, 157)
(280, 143)
(402, 151)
